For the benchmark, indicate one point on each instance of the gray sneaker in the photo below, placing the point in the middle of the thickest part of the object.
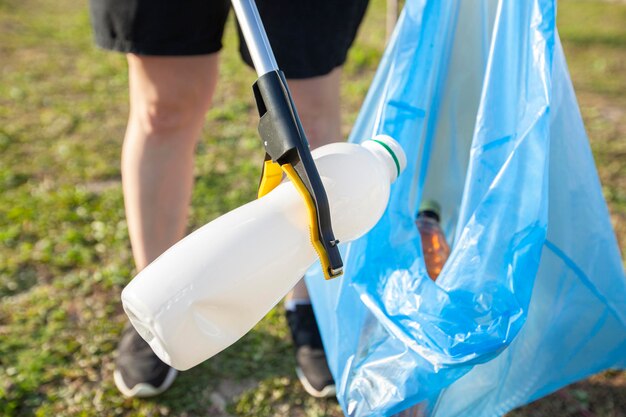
(139, 372)
(311, 365)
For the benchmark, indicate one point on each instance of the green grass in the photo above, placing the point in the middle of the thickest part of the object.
(64, 251)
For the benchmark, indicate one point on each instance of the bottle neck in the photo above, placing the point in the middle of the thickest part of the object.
(429, 215)
(387, 155)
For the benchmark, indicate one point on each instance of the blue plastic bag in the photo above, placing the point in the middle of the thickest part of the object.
(533, 296)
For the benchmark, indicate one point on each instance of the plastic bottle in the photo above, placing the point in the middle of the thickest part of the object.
(434, 245)
(212, 287)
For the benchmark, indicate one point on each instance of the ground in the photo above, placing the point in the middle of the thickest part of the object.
(64, 252)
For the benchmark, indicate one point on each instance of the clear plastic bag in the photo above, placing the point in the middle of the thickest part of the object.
(533, 296)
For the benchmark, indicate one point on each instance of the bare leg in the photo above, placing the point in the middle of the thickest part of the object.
(169, 97)
(318, 102)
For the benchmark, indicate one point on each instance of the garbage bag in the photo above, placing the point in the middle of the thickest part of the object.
(533, 296)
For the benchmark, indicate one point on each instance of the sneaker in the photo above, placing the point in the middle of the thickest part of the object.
(139, 372)
(311, 366)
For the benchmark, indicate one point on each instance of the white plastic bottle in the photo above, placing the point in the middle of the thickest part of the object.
(212, 287)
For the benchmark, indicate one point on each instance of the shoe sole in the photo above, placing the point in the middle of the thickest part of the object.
(143, 390)
(327, 392)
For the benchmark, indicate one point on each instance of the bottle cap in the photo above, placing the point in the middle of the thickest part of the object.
(430, 208)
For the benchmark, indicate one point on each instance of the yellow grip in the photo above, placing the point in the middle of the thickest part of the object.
(313, 229)
(271, 177)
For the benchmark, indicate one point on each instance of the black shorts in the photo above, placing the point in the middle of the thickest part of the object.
(309, 37)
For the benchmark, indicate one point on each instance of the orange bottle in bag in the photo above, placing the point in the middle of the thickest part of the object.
(434, 245)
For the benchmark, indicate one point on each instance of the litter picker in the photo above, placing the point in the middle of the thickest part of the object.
(286, 147)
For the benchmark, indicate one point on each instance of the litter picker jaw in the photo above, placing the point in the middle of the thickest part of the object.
(286, 147)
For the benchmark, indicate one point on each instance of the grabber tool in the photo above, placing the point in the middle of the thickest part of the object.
(286, 147)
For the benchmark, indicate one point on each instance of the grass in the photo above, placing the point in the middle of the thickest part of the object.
(64, 251)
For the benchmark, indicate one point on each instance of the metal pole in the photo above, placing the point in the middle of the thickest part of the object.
(255, 36)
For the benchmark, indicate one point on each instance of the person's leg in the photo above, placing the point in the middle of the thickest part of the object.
(169, 97)
(317, 100)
